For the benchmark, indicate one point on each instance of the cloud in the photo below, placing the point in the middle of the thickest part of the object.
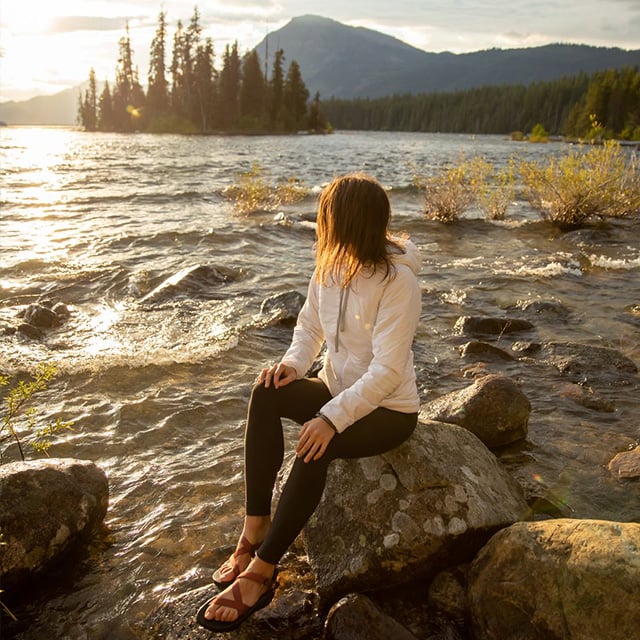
(68, 24)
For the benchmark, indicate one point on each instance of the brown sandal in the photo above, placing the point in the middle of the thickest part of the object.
(243, 548)
(244, 611)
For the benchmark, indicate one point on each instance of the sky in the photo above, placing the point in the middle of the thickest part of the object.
(50, 45)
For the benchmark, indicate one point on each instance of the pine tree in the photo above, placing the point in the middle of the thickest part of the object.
(158, 91)
(316, 122)
(252, 92)
(295, 98)
(128, 96)
(276, 91)
(88, 106)
(105, 110)
(229, 89)
(204, 86)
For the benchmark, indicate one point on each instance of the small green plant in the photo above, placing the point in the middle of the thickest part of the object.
(600, 182)
(453, 190)
(253, 193)
(16, 403)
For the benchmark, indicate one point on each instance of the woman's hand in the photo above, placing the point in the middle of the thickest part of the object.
(314, 438)
(279, 374)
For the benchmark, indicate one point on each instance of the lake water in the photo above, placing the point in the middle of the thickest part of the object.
(157, 387)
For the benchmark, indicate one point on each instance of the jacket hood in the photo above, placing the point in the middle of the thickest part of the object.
(407, 254)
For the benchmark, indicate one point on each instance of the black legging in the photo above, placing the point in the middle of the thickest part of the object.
(380, 431)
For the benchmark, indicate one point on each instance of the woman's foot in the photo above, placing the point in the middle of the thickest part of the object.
(245, 592)
(253, 533)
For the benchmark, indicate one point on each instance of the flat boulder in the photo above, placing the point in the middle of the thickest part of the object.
(387, 520)
(46, 507)
(493, 408)
(557, 579)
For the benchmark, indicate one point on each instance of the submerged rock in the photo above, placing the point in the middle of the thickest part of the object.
(197, 281)
(490, 326)
(46, 507)
(581, 361)
(626, 464)
(586, 397)
(282, 308)
(475, 348)
(407, 514)
(493, 408)
(558, 579)
(43, 317)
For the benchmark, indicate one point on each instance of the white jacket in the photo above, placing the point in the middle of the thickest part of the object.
(369, 329)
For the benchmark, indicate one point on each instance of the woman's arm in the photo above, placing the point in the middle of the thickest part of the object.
(392, 338)
(308, 336)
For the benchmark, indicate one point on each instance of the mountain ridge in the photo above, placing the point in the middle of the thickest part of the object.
(341, 61)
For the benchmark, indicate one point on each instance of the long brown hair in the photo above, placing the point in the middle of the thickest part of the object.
(352, 228)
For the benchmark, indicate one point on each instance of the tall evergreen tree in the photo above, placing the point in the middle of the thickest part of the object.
(204, 86)
(229, 89)
(105, 110)
(296, 95)
(316, 120)
(276, 90)
(128, 96)
(253, 91)
(158, 91)
(88, 106)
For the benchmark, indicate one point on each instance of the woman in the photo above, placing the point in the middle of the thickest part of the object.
(363, 302)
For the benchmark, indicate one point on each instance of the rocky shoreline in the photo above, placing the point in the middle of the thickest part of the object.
(436, 539)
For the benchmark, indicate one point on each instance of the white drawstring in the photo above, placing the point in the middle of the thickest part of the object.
(342, 308)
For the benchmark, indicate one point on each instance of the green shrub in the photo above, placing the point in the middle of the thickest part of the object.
(252, 193)
(451, 191)
(455, 189)
(600, 182)
(538, 134)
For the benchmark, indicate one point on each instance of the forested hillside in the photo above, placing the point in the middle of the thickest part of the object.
(569, 106)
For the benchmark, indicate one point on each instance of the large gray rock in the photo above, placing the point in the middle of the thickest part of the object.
(430, 503)
(493, 408)
(565, 578)
(46, 506)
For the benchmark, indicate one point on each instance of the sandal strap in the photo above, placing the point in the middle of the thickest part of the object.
(246, 547)
(256, 577)
(235, 603)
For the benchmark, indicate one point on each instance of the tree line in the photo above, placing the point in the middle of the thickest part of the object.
(569, 106)
(192, 96)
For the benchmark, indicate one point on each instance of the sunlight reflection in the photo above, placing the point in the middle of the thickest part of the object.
(102, 340)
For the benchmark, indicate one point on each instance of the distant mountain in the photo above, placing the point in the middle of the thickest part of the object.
(57, 109)
(348, 62)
